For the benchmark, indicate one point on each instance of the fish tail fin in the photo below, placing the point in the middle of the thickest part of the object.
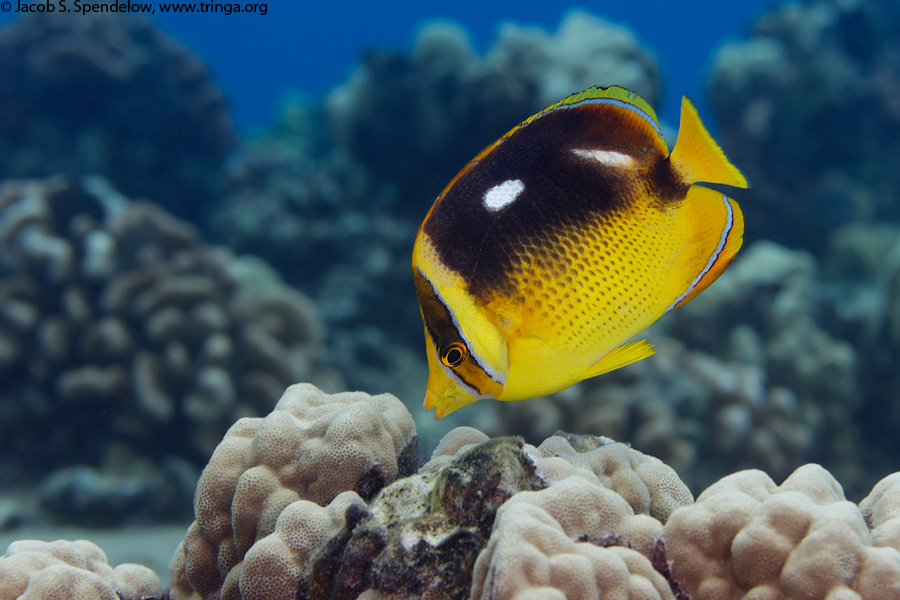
(698, 157)
(622, 356)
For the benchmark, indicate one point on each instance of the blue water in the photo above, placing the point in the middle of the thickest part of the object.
(311, 47)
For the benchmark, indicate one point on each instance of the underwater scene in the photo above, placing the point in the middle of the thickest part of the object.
(452, 302)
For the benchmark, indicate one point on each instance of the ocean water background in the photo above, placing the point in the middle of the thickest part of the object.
(310, 48)
(789, 358)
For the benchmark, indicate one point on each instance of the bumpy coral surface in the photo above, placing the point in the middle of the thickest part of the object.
(320, 500)
(745, 537)
(116, 320)
(576, 538)
(64, 570)
(270, 473)
(287, 507)
(139, 107)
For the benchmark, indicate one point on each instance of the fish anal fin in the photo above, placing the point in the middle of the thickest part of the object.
(698, 157)
(622, 356)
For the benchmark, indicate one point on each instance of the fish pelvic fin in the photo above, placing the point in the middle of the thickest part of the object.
(698, 157)
(620, 357)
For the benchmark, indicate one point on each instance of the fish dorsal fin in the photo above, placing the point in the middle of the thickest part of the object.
(644, 117)
(622, 356)
(697, 156)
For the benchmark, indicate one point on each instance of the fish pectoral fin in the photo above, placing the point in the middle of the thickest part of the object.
(622, 356)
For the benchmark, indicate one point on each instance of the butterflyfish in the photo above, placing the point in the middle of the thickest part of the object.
(563, 240)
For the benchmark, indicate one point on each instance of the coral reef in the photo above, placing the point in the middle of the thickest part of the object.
(704, 416)
(320, 499)
(400, 127)
(139, 108)
(269, 473)
(746, 537)
(808, 108)
(575, 538)
(64, 570)
(116, 320)
(861, 305)
(267, 528)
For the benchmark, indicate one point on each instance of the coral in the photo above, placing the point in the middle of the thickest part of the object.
(746, 537)
(320, 500)
(139, 109)
(64, 570)
(124, 488)
(309, 449)
(881, 510)
(421, 535)
(286, 507)
(116, 319)
(771, 312)
(862, 306)
(647, 484)
(808, 108)
(576, 538)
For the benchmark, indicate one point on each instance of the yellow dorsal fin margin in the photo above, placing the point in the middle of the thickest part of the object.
(622, 356)
(697, 156)
(613, 92)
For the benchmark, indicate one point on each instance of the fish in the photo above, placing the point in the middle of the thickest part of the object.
(562, 241)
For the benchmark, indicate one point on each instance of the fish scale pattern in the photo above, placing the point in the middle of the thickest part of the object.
(605, 302)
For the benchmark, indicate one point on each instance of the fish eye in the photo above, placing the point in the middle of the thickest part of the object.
(453, 351)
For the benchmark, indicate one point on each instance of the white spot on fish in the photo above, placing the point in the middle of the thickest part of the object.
(606, 157)
(503, 194)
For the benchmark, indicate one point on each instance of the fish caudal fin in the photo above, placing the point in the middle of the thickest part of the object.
(697, 156)
(622, 356)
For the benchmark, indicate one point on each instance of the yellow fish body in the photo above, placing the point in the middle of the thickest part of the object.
(561, 241)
